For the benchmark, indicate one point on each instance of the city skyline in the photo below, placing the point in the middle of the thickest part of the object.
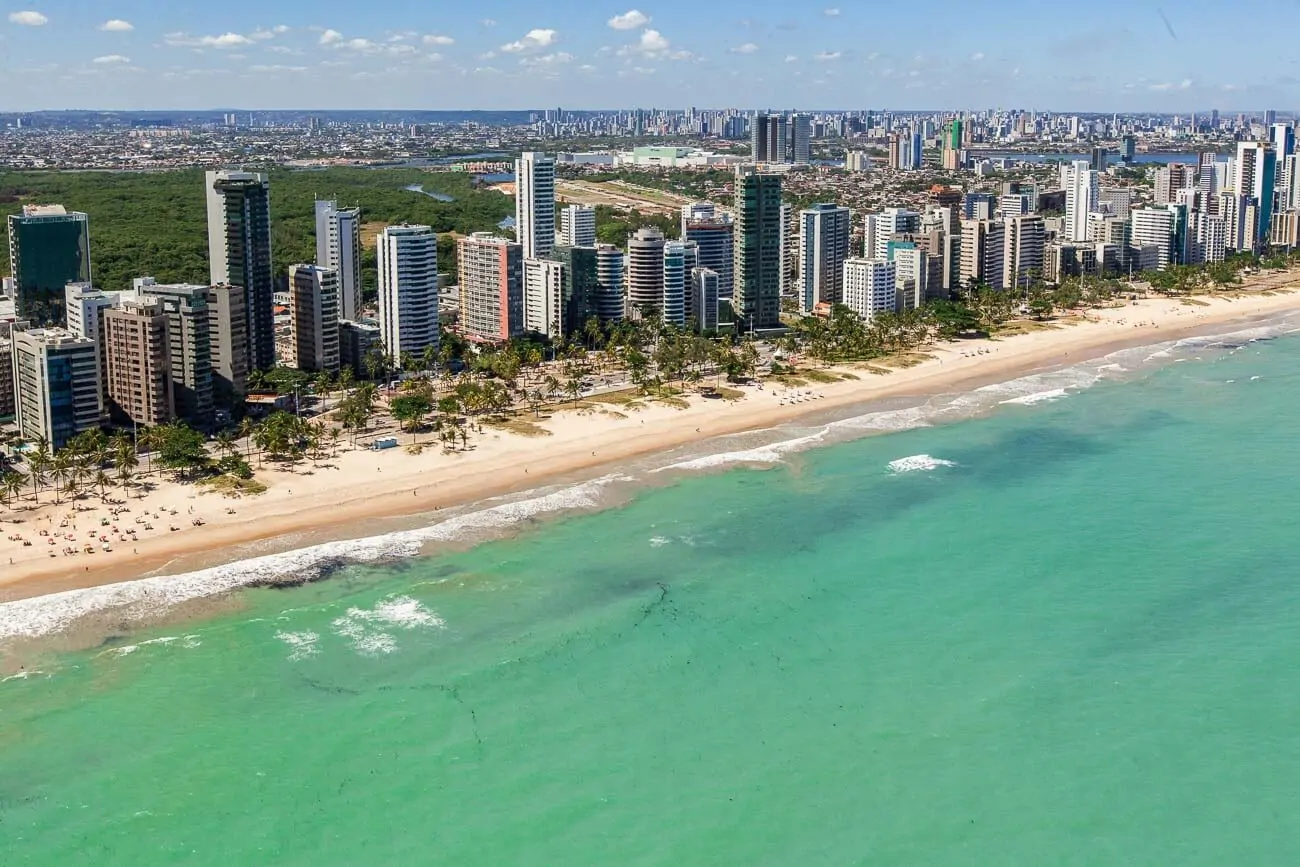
(508, 56)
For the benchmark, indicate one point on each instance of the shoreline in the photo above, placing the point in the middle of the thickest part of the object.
(364, 487)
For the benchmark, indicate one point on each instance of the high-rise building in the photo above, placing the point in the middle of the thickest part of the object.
(535, 204)
(49, 247)
(645, 272)
(544, 311)
(491, 287)
(858, 162)
(767, 134)
(136, 362)
(888, 224)
(823, 246)
(714, 235)
(239, 250)
(581, 288)
(82, 306)
(870, 287)
(703, 307)
(757, 251)
(676, 283)
(1097, 159)
(1283, 138)
(1210, 236)
(1080, 184)
(1155, 227)
(338, 246)
(577, 226)
(1130, 148)
(56, 385)
(1255, 178)
(697, 211)
(6, 378)
(799, 139)
(314, 317)
(356, 341)
(228, 342)
(609, 300)
(1170, 179)
(983, 252)
(408, 289)
(189, 340)
(1024, 252)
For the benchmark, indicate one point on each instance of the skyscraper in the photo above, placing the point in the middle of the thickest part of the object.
(578, 226)
(757, 250)
(49, 247)
(56, 385)
(239, 250)
(823, 246)
(983, 248)
(1255, 179)
(767, 138)
(609, 300)
(491, 287)
(799, 139)
(1155, 227)
(645, 272)
(703, 306)
(338, 246)
(535, 204)
(314, 317)
(1080, 184)
(82, 307)
(136, 362)
(1024, 254)
(189, 340)
(408, 289)
(544, 311)
(714, 235)
(581, 289)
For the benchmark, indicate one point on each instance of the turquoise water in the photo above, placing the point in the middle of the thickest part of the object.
(1065, 633)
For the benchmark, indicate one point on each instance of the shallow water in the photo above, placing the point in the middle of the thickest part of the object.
(1060, 629)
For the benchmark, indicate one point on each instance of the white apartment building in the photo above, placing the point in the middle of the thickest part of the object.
(408, 289)
(57, 385)
(83, 303)
(870, 287)
(577, 226)
(544, 297)
(535, 204)
(338, 246)
(1154, 227)
(1080, 184)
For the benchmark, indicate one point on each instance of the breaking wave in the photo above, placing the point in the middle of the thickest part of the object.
(918, 464)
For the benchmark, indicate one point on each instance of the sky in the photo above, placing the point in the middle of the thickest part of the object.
(1104, 55)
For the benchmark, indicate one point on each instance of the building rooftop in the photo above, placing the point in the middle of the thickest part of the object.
(44, 211)
(53, 337)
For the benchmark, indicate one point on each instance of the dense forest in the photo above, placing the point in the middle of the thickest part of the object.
(155, 223)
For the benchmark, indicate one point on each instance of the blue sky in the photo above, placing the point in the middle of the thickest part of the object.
(1105, 55)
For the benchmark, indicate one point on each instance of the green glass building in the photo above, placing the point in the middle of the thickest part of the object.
(757, 249)
(49, 247)
(581, 285)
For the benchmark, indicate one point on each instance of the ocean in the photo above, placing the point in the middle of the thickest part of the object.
(1049, 621)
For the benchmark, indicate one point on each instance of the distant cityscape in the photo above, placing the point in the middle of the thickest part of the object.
(872, 212)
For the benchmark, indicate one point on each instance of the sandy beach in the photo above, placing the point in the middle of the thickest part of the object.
(337, 498)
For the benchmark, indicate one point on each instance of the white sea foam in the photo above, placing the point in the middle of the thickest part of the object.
(659, 542)
(302, 644)
(1038, 397)
(365, 629)
(918, 464)
(22, 675)
(773, 453)
(147, 597)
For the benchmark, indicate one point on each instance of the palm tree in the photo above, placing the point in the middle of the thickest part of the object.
(103, 480)
(573, 388)
(60, 468)
(11, 486)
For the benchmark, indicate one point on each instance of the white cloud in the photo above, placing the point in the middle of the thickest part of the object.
(747, 48)
(533, 40)
(262, 34)
(826, 55)
(487, 55)
(117, 25)
(1185, 83)
(28, 18)
(487, 22)
(791, 58)
(438, 39)
(275, 68)
(329, 37)
(978, 55)
(225, 40)
(629, 20)
(558, 58)
(110, 59)
(652, 40)
(831, 13)
(1161, 86)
